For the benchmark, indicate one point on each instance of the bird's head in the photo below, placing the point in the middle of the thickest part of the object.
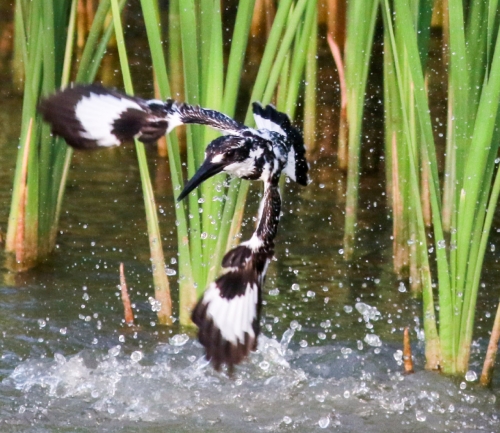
(234, 155)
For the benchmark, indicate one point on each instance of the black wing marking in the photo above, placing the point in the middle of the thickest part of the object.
(270, 119)
(183, 113)
(91, 116)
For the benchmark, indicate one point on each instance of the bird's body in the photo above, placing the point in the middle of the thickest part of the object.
(228, 313)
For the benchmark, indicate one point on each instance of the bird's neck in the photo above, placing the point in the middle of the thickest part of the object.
(269, 214)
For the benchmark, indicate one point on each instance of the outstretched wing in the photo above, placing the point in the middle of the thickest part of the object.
(182, 113)
(91, 116)
(269, 119)
(228, 314)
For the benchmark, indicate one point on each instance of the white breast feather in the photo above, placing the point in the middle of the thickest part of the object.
(240, 169)
(97, 113)
(255, 242)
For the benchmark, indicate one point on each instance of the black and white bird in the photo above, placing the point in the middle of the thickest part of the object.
(228, 313)
(92, 116)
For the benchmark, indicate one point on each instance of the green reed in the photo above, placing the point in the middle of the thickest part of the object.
(45, 33)
(160, 279)
(460, 226)
(361, 16)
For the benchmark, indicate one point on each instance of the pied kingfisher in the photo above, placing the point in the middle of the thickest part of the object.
(228, 313)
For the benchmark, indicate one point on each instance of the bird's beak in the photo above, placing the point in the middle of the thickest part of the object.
(207, 170)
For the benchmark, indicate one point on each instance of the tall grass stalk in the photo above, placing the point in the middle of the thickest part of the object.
(361, 16)
(160, 279)
(311, 89)
(474, 104)
(45, 33)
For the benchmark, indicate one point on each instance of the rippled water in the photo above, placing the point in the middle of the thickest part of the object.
(329, 357)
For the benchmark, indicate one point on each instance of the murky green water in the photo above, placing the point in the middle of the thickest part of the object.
(328, 357)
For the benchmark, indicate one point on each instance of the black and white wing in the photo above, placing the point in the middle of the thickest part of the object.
(228, 314)
(269, 119)
(182, 113)
(91, 116)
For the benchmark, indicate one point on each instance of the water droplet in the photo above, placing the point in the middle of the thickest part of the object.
(136, 356)
(179, 340)
(41, 323)
(274, 292)
(155, 305)
(60, 359)
(341, 251)
(310, 294)
(285, 340)
(367, 311)
(114, 351)
(324, 422)
(303, 343)
(326, 324)
(347, 394)
(294, 324)
(373, 340)
(264, 365)
(295, 287)
(287, 419)
(204, 235)
(170, 272)
(348, 309)
(470, 376)
(441, 244)
(63, 331)
(201, 200)
(420, 416)
(398, 356)
(402, 287)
